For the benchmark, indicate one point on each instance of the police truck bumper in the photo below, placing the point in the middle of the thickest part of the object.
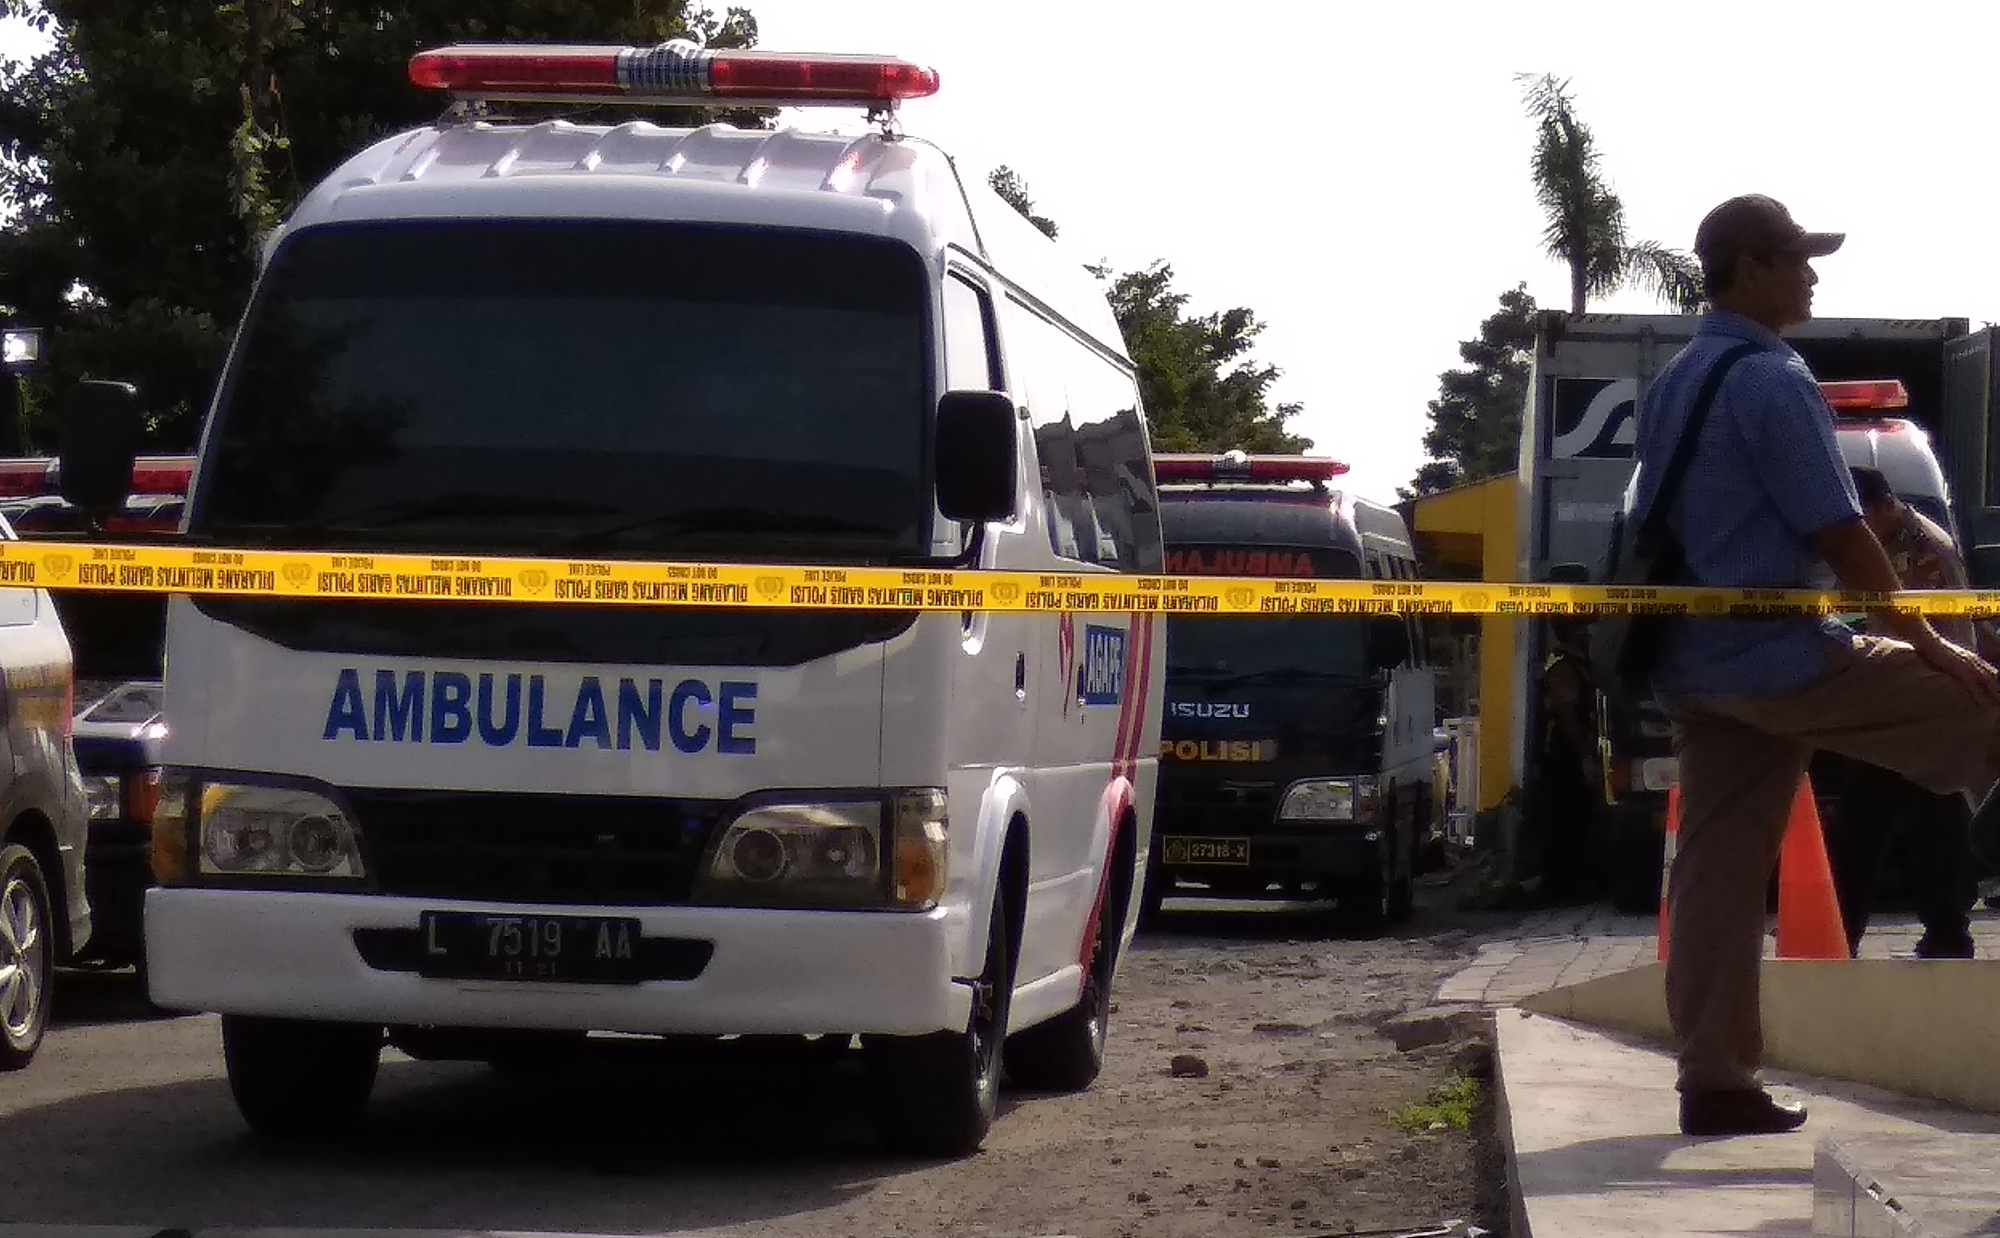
(1294, 852)
(716, 971)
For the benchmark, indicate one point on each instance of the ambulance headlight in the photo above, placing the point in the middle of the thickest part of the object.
(1329, 799)
(275, 831)
(864, 854)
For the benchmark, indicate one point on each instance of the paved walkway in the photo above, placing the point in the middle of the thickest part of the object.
(1596, 1151)
(1572, 945)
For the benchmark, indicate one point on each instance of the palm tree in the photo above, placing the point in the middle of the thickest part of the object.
(1586, 218)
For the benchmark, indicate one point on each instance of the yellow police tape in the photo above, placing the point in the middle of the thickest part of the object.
(253, 573)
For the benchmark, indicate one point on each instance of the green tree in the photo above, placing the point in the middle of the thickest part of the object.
(1014, 191)
(1475, 430)
(147, 154)
(1202, 390)
(1585, 218)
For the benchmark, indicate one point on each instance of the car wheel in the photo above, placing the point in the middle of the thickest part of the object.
(27, 956)
(293, 1078)
(1367, 900)
(937, 1095)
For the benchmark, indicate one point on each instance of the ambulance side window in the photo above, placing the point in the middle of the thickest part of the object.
(1111, 450)
(969, 360)
(1038, 384)
(1091, 443)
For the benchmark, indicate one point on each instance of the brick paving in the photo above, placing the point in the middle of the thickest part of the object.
(1571, 945)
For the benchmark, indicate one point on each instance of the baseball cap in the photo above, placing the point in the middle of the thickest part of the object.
(1755, 225)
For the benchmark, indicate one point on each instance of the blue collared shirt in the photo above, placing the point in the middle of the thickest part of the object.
(1767, 474)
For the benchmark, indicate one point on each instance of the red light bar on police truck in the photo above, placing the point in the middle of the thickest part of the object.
(1869, 395)
(678, 71)
(1240, 466)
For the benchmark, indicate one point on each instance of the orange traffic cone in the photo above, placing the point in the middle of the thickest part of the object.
(1809, 923)
(1673, 837)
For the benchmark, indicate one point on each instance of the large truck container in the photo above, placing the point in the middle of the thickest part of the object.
(1588, 379)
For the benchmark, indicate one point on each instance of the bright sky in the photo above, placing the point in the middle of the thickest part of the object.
(1357, 174)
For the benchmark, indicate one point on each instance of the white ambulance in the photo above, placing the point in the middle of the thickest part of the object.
(482, 830)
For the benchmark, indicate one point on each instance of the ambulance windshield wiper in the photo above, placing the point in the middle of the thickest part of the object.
(709, 520)
(458, 503)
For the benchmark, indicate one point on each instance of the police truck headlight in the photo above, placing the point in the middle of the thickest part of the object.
(1329, 799)
(106, 795)
(869, 854)
(275, 831)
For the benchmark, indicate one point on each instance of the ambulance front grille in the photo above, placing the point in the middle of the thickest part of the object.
(565, 849)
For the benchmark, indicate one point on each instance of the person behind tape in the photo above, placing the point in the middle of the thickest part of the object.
(1877, 804)
(1766, 499)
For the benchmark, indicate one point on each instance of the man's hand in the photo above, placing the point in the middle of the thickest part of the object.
(1961, 664)
(1858, 561)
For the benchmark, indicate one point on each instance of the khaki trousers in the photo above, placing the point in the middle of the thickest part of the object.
(1741, 761)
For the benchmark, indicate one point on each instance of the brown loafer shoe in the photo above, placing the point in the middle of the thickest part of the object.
(1749, 1111)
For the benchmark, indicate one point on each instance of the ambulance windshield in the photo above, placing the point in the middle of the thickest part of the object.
(625, 388)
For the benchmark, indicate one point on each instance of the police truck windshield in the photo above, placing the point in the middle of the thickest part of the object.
(630, 389)
(1268, 649)
(1263, 649)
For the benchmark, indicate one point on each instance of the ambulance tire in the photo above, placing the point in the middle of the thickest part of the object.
(297, 1079)
(937, 1095)
(1066, 1053)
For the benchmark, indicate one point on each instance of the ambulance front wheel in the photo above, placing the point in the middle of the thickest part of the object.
(292, 1078)
(937, 1095)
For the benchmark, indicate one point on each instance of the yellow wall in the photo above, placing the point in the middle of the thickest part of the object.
(1479, 520)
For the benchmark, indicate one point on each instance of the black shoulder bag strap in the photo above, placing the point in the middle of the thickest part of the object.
(1647, 537)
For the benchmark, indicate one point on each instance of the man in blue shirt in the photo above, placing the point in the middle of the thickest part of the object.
(1766, 500)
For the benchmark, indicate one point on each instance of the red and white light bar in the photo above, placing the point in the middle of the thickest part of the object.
(1239, 466)
(35, 476)
(1868, 395)
(676, 71)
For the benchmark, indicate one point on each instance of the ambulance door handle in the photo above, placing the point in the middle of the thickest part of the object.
(1020, 676)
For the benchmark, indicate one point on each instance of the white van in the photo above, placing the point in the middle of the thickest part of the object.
(478, 830)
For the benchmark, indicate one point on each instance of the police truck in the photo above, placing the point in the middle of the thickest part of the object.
(1297, 754)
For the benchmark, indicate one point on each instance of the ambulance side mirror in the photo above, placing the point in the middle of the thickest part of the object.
(101, 433)
(977, 456)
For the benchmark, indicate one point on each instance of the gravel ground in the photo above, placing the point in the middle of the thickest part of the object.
(1253, 1086)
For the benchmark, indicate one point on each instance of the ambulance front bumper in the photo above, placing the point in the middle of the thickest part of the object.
(352, 958)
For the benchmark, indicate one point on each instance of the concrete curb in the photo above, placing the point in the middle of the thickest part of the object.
(1503, 1119)
(1850, 1202)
